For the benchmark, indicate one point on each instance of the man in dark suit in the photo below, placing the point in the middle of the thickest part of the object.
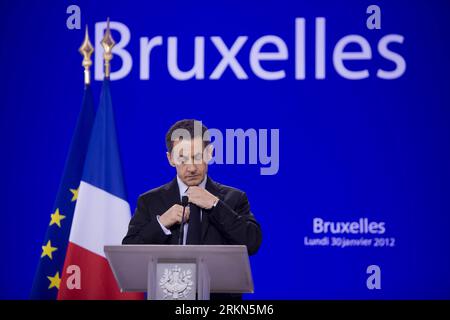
(217, 214)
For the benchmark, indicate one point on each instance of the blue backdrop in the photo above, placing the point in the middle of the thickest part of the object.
(349, 149)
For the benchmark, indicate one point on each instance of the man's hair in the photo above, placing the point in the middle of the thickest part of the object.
(189, 125)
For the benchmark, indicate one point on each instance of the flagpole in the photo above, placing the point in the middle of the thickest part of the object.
(108, 43)
(86, 51)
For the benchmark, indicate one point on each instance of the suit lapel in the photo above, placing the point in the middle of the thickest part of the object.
(173, 194)
(214, 189)
(171, 197)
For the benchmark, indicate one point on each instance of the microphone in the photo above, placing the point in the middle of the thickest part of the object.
(184, 203)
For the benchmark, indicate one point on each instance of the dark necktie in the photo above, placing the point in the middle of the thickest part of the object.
(194, 228)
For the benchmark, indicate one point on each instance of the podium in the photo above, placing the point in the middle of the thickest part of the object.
(181, 272)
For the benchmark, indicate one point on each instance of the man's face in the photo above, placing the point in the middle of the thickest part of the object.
(190, 160)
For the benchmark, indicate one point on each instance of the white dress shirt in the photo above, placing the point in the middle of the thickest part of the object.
(182, 187)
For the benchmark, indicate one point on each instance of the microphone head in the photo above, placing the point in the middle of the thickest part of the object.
(184, 201)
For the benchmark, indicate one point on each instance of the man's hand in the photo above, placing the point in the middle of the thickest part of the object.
(201, 197)
(174, 215)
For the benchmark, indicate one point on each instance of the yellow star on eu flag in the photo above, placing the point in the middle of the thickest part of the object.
(75, 194)
(56, 218)
(47, 250)
(54, 281)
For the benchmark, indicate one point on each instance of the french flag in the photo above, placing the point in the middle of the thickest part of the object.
(101, 215)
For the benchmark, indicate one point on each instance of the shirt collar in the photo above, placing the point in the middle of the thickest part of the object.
(182, 187)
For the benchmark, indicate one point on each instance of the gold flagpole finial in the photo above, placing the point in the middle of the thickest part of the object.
(108, 44)
(86, 51)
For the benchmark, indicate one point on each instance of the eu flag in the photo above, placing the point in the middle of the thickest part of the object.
(49, 271)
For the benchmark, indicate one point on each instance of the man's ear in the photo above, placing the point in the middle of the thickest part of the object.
(169, 158)
(209, 153)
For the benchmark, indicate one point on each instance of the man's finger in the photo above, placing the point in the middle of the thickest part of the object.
(192, 190)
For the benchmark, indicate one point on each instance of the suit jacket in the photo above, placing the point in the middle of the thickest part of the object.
(229, 222)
